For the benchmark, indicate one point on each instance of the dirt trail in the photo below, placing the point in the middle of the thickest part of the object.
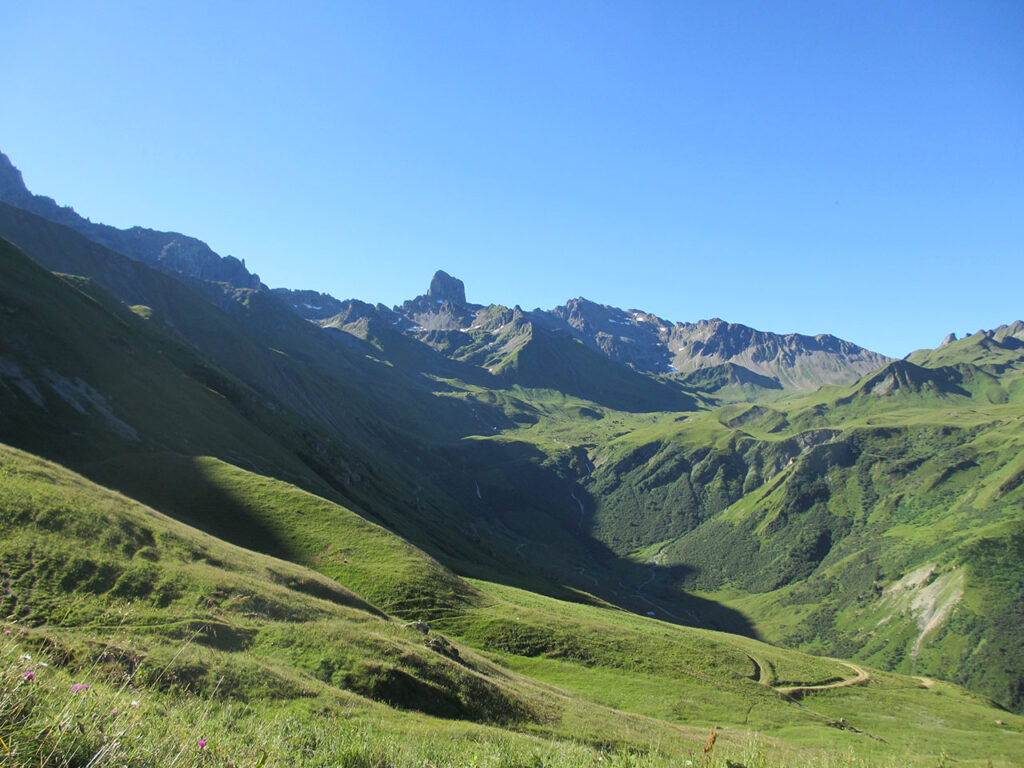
(862, 676)
(759, 675)
(791, 692)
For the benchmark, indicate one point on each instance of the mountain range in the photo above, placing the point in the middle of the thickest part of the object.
(601, 510)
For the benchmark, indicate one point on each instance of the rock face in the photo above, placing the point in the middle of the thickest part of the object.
(444, 287)
(950, 338)
(795, 360)
(630, 336)
(169, 252)
(1013, 330)
(650, 343)
(442, 308)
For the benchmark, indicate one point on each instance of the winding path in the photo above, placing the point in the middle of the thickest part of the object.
(861, 675)
(759, 676)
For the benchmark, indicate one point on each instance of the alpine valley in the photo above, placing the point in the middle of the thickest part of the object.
(296, 530)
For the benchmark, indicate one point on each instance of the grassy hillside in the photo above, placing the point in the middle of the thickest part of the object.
(534, 513)
(181, 637)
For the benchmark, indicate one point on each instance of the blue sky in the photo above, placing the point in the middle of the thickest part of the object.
(846, 167)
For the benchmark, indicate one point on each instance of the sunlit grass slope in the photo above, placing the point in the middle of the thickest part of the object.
(212, 637)
(113, 594)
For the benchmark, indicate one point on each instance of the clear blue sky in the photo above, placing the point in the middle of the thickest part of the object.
(846, 167)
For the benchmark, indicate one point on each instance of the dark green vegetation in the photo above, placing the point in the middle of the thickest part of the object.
(507, 477)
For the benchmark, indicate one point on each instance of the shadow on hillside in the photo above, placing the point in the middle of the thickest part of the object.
(175, 485)
(535, 524)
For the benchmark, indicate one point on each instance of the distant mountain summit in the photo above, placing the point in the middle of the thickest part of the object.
(169, 252)
(444, 287)
(724, 354)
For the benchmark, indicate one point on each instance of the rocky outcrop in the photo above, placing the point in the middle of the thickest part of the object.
(1013, 330)
(442, 308)
(444, 287)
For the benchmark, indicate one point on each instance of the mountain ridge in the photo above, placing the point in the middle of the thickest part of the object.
(635, 338)
(168, 251)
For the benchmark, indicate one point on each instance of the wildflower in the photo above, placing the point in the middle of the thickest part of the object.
(202, 742)
(42, 664)
(7, 631)
(134, 704)
(80, 687)
(30, 675)
(25, 657)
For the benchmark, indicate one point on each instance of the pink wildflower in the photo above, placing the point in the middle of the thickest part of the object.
(80, 687)
(7, 631)
(202, 742)
(134, 704)
(30, 675)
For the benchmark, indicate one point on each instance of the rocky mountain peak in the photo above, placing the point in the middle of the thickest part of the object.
(444, 287)
(12, 185)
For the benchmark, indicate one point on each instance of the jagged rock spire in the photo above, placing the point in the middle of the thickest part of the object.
(444, 287)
